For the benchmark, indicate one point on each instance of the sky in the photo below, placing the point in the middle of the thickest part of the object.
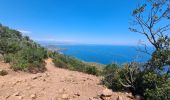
(72, 21)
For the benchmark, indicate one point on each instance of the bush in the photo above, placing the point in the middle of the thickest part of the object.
(155, 87)
(92, 70)
(8, 58)
(71, 63)
(37, 67)
(59, 63)
(112, 76)
(21, 52)
(29, 59)
(9, 45)
(162, 92)
(132, 77)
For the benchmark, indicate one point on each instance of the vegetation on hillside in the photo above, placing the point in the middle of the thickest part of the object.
(71, 63)
(152, 79)
(26, 55)
(20, 51)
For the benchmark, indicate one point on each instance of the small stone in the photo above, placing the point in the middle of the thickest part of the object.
(16, 94)
(7, 97)
(15, 83)
(127, 93)
(94, 98)
(119, 98)
(106, 98)
(37, 76)
(33, 96)
(65, 96)
(44, 80)
(20, 97)
(47, 75)
(77, 94)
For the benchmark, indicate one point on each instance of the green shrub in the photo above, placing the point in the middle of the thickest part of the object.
(111, 77)
(37, 67)
(29, 59)
(59, 63)
(155, 87)
(162, 92)
(92, 70)
(148, 84)
(8, 58)
(20, 51)
(9, 45)
(19, 64)
(51, 54)
(71, 63)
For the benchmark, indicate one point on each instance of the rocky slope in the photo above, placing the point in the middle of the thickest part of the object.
(54, 84)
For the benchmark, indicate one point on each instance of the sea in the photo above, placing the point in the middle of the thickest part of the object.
(106, 54)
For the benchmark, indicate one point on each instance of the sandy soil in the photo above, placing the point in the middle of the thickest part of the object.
(54, 84)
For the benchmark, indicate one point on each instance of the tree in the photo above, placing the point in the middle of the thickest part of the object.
(152, 19)
(148, 19)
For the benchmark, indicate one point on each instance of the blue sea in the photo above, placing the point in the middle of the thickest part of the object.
(106, 54)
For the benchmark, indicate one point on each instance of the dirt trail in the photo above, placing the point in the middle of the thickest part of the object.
(54, 84)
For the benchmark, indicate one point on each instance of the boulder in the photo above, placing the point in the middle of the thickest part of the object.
(106, 94)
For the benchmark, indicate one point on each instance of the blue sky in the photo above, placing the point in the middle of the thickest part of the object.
(75, 21)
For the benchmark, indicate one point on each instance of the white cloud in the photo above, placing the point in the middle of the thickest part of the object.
(24, 32)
